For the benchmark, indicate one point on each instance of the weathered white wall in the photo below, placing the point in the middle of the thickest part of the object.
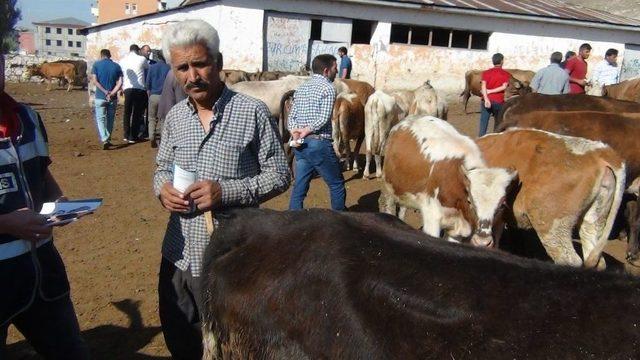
(400, 66)
(240, 31)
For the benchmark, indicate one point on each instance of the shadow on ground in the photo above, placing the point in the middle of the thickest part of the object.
(107, 342)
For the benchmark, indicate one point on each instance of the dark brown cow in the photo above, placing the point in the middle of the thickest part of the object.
(319, 284)
(231, 77)
(568, 102)
(518, 84)
(347, 123)
(81, 78)
(620, 131)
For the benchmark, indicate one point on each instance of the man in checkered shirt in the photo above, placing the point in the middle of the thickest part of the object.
(310, 119)
(229, 141)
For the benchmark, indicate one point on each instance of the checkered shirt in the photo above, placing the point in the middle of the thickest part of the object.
(313, 105)
(242, 152)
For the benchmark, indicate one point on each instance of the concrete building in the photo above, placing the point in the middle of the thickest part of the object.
(60, 37)
(393, 44)
(26, 42)
(112, 10)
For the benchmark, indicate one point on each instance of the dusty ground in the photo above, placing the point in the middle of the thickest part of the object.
(113, 256)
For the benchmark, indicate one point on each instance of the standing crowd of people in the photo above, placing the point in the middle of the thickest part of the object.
(559, 77)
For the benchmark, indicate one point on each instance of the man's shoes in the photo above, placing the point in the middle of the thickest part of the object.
(127, 141)
(106, 145)
(154, 144)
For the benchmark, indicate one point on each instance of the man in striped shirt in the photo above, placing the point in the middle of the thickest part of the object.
(310, 121)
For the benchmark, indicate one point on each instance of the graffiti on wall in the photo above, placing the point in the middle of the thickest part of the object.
(320, 47)
(287, 43)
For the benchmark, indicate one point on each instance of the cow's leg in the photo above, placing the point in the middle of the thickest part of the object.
(347, 148)
(557, 239)
(69, 84)
(386, 203)
(210, 350)
(356, 152)
(431, 217)
(633, 222)
(49, 81)
(378, 165)
(367, 164)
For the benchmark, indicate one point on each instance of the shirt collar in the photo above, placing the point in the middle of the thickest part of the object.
(219, 105)
(319, 76)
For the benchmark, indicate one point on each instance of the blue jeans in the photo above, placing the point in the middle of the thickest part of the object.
(317, 155)
(485, 114)
(105, 114)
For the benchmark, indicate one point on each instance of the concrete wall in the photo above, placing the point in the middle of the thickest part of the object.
(400, 66)
(526, 43)
(240, 32)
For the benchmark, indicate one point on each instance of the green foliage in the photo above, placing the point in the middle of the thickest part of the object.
(9, 16)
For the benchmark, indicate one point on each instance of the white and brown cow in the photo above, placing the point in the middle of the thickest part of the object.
(381, 113)
(566, 182)
(427, 101)
(431, 167)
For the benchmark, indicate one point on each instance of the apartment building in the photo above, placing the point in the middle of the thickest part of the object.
(111, 10)
(60, 37)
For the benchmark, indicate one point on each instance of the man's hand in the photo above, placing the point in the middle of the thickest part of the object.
(206, 194)
(487, 103)
(172, 199)
(26, 224)
(300, 133)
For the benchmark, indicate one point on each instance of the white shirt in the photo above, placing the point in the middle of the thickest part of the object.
(133, 67)
(605, 73)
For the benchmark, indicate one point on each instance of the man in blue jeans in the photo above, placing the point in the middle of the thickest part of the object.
(106, 75)
(310, 121)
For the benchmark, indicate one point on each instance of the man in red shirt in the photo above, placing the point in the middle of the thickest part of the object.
(577, 69)
(494, 82)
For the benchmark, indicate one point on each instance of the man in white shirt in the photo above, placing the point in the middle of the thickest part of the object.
(606, 72)
(135, 94)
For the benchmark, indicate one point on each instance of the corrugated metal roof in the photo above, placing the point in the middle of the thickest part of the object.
(541, 8)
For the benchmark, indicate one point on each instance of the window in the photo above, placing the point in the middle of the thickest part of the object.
(70, 31)
(127, 8)
(47, 30)
(78, 32)
(48, 52)
(58, 42)
(316, 29)
(134, 9)
(47, 42)
(69, 43)
(361, 31)
(75, 54)
(78, 43)
(450, 38)
(58, 30)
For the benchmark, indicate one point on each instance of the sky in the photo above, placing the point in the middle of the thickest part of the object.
(39, 10)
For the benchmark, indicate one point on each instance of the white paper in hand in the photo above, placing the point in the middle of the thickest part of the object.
(182, 178)
(64, 212)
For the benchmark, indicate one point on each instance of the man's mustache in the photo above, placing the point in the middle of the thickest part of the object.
(197, 84)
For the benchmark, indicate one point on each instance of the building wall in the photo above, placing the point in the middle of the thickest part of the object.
(41, 37)
(245, 27)
(240, 32)
(111, 10)
(26, 39)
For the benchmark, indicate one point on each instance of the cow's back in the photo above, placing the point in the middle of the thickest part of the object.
(321, 284)
(618, 131)
(628, 90)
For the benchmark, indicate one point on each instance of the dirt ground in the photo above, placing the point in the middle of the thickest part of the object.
(113, 256)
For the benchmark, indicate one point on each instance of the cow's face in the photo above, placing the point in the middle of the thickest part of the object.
(516, 88)
(488, 191)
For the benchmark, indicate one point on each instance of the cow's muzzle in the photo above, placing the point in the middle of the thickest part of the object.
(483, 236)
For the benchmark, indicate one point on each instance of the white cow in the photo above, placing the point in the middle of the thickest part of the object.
(270, 92)
(381, 113)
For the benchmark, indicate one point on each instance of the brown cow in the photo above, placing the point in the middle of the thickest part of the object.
(620, 131)
(322, 284)
(567, 102)
(81, 72)
(627, 90)
(231, 77)
(361, 88)
(582, 186)
(431, 167)
(348, 124)
(51, 71)
(519, 83)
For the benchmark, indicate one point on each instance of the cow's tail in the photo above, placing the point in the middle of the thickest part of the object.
(466, 93)
(209, 343)
(372, 124)
(608, 199)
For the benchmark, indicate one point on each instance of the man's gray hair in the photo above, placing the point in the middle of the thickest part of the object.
(190, 32)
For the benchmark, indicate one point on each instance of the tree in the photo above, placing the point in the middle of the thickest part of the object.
(9, 16)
